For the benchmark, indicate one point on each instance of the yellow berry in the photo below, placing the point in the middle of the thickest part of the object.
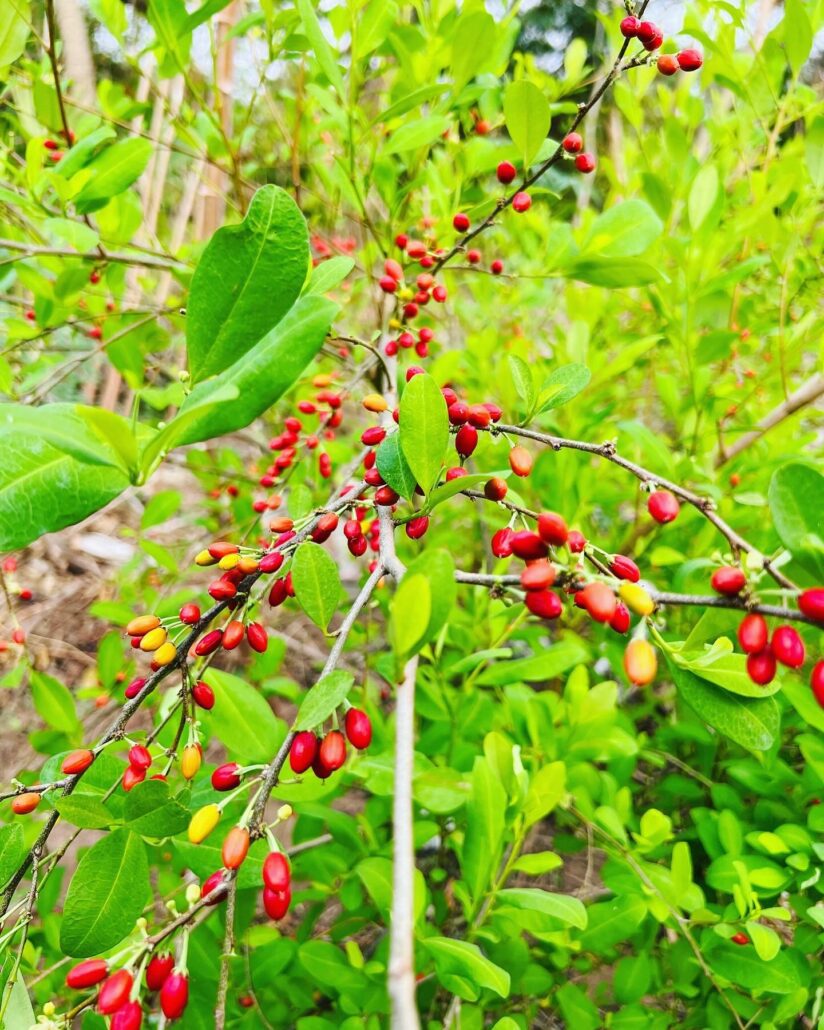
(374, 402)
(142, 624)
(152, 640)
(190, 761)
(640, 663)
(228, 561)
(204, 558)
(165, 654)
(636, 598)
(322, 379)
(203, 822)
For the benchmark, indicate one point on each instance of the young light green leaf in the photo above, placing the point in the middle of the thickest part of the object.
(410, 610)
(54, 703)
(703, 195)
(796, 498)
(317, 582)
(323, 51)
(329, 274)
(483, 840)
(112, 172)
(527, 117)
(323, 698)
(422, 132)
(14, 30)
(561, 385)
(12, 851)
(424, 429)
(524, 383)
(546, 789)
(473, 47)
(463, 968)
(625, 230)
(560, 907)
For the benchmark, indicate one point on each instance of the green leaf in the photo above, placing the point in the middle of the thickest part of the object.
(13, 850)
(624, 230)
(82, 152)
(483, 840)
(317, 582)
(538, 863)
(798, 34)
(86, 811)
(260, 376)
(611, 272)
(456, 486)
(170, 20)
(438, 567)
(424, 429)
(112, 172)
(151, 811)
(394, 467)
(632, 978)
(546, 789)
(54, 703)
(242, 718)
(473, 47)
(323, 51)
(796, 498)
(14, 30)
(743, 967)
(561, 385)
(610, 922)
(463, 968)
(765, 940)
(106, 895)
(55, 471)
(76, 234)
(728, 671)
(522, 378)
(527, 117)
(410, 610)
(19, 1011)
(703, 195)
(376, 876)
(204, 858)
(754, 724)
(322, 699)
(329, 274)
(547, 664)
(245, 282)
(372, 26)
(422, 132)
(560, 907)
(577, 1009)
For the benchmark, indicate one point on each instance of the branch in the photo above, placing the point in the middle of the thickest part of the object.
(228, 948)
(145, 261)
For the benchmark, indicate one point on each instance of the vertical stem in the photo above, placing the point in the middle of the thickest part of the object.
(225, 958)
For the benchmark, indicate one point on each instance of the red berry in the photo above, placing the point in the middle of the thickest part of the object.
(87, 974)
(189, 614)
(788, 647)
(573, 143)
(77, 761)
(620, 620)
(506, 172)
(210, 884)
(257, 637)
(416, 528)
(690, 60)
(528, 545)
(817, 682)
(585, 162)
(740, 938)
(159, 969)
(127, 1017)
(625, 568)
(520, 461)
(209, 643)
(496, 267)
(401, 240)
(132, 776)
(599, 601)
(538, 575)
(811, 603)
(521, 202)
(466, 440)
(752, 633)
(495, 489)
(303, 750)
(203, 695)
(663, 506)
(455, 473)
(358, 731)
(630, 26)
(372, 436)
(276, 903)
(278, 593)
(388, 284)
(174, 995)
(502, 542)
(393, 269)
(114, 992)
(332, 751)
(655, 42)
(576, 541)
(439, 294)
(277, 874)
(728, 580)
(139, 757)
(646, 31)
(235, 847)
(226, 777)
(761, 667)
(543, 603)
(473, 256)
(233, 634)
(552, 528)
(667, 64)
(460, 222)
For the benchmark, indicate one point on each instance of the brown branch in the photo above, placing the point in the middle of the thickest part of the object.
(144, 260)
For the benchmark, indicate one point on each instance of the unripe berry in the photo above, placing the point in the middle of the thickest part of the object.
(624, 568)
(203, 822)
(303, 750)
(190, 761)
(520, 461)
(25, 803)
(235, 847)
(153, 639)
(811, 603)
(506, 172)
(690, 60)
(752, 633)
(667, 64)
(77, 761)
(761, 667)
(599, 601)
(521, 202)
(174, 995)
(158, 970)
(630, 26)
(358, 732)
(332, 751)
(640, 662)
(553, 528)
(141, 625)
(663, 506)
(585, 162)
(636, 598)
(728, 580)
(460, 222)
(573, 143)
(114, 992)
(87, 974)
(543, 603)
(788, 647)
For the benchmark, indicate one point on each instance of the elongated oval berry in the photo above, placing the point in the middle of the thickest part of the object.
(663, 506)
(202, 823)
(209, 885)
(174, 995)
(728, 580)
(528, 545)
(190, 761)
(416, 528)
(134, 688)
(203, 696)
(222, 589)
(139, 756)
(332, 751)
(817, 682)
(690, 60)
(636, 598)
(620, 620)
(132, 776)
(495, 489)
(165, 654)
(640, 662)
(235, 847)
(788, 647)
(189, 614)
(141, 625)
(226, 777)
(152, 640)
(25, 803)
(624, 568)
(278, 593)
(358, 731)
(276, 903)
(87, 974)
(209, 643)
(233, 633)
(520, 461)
(127, 1017)
(77, 761)
(220, 548)
(277, 873)
(114, 992)
(552, 528)
(761, 667)
(158, 970)
(466, 440)
(811, 603)
(599, 601)
(538, 575)
(544, 603)
(257, 636)
(501, 542)
(386, 496)
(271, 561)
(303, 750)
(752, 633)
